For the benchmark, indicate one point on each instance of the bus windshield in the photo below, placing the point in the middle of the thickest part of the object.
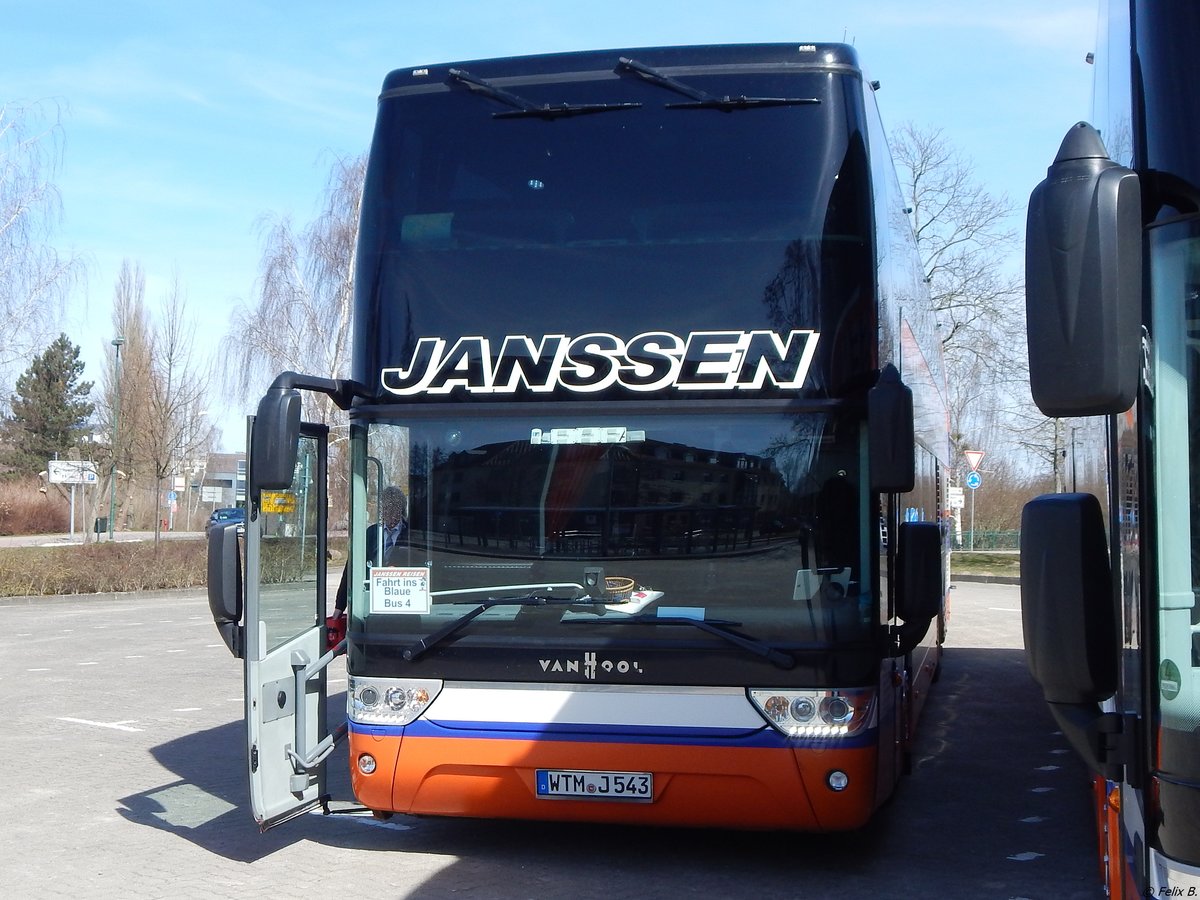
(644, 218)
(754, 522)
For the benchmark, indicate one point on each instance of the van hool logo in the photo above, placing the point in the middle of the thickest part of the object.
(653, 361)
(590, 665)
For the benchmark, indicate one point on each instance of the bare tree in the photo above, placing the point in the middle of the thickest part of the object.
(175, 428)
(160, 391)
(301, 320)
(968, 248)
(34, 278)
(130, 375)
(124, 391)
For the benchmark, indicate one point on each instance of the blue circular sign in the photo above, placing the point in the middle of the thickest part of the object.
(974, 480)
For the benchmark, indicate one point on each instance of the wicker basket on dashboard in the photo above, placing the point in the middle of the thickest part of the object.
(618, 588)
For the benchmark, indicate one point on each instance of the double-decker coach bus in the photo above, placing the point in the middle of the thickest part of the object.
(646, 383)
(1109, 581)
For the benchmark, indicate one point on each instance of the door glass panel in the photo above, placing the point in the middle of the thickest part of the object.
(290, 551)
(1175, 281)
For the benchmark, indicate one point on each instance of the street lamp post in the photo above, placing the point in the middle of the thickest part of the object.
(112, 486)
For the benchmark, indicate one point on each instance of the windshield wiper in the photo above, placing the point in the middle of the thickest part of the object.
(526, 109)
(451, 628)
(719, 627)
(702, 99)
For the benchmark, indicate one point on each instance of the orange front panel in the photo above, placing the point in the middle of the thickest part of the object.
(1115, 853)
(693, 785)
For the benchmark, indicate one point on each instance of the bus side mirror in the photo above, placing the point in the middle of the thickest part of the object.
(891, 434)
(225, 584)
(1069, 616)
(274, 441)
(1083, 274)
(920, 585)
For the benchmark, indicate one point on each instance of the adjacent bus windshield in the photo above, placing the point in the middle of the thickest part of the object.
(647, 446)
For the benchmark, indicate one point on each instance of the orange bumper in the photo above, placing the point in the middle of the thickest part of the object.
(702, 786)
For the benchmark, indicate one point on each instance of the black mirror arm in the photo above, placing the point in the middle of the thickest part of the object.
(1108, 742)
(341, 390)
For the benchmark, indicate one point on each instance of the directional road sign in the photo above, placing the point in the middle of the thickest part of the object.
(71, 471)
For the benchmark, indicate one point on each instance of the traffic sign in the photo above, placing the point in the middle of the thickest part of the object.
(974, 480)
(278, 502)
(71, 471)
(974, 458)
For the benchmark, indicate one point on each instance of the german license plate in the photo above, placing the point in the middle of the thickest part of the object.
(555, 784)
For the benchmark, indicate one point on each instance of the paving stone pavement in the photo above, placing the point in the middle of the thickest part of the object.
(124, 778)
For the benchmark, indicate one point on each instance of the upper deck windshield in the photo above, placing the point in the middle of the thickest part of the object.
(644, 218)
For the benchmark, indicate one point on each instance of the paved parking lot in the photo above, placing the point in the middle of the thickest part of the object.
(124, 777)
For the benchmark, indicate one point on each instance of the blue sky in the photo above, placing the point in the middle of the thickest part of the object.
(187, 123)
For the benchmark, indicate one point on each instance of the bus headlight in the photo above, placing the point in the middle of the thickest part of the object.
(389, 701)
(831, 713)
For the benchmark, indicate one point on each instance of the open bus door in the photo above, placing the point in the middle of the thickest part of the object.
(277, 623)
(287, 733)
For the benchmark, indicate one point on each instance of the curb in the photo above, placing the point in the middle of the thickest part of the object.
(987, 579)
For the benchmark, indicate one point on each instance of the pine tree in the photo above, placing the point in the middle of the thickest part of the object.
(50, 410)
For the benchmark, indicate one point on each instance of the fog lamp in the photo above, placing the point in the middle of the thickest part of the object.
(366, 763)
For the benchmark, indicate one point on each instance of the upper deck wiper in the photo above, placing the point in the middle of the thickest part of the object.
(451, 628)
(703, 99)
(526, 109)
(720, 628)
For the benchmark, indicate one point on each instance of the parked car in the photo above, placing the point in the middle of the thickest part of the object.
(226, 514)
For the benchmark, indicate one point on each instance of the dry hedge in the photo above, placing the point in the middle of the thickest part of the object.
(102, 568)
(119, 566)
(26, 510)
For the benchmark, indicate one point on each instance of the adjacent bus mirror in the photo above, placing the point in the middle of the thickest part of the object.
(891, 437)
(274, 441)
(1067, 605)
(225, 595)
(1083, 271)
(1069, 617)
(920, 585)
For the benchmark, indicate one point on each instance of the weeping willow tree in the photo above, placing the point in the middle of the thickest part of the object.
(972, 266)
(304, 296)
(34, 277)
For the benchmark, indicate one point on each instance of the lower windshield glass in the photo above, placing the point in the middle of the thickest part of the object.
(754, 521)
